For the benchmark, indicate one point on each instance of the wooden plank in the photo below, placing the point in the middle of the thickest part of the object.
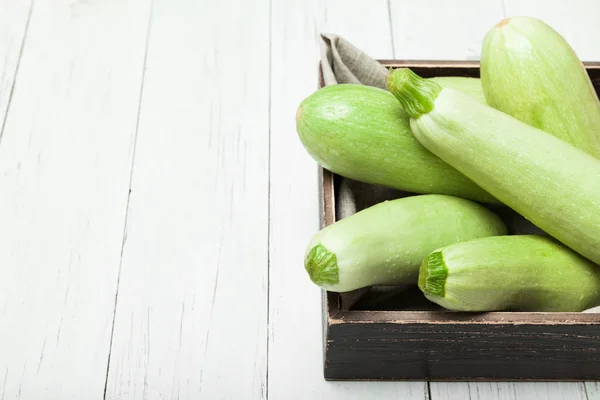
(592, 390)
(463, 351)
(13, 28)
(295, 335)
(65, 162)
(348, 18)
(434, 30)
(191, 316)
(508, 391)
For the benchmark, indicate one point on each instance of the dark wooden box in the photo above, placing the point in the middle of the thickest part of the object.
(390, 338)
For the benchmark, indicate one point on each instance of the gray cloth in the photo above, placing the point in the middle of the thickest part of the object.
(344, 63)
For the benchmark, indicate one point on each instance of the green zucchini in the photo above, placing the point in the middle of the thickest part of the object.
(472, 87)
(361, 133)
(386, 243)
(550, 182)
(529, 71)
(518, 273)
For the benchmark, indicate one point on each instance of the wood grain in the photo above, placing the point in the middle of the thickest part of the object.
(14, 19)
(440, 350)
(512, 391)
(592, 390)
(429, 30)
(295, 337)
(191, 315)
(65, 160)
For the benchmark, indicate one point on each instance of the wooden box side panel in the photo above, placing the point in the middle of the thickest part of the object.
(462, 352)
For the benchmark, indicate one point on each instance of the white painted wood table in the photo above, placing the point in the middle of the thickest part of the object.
(155, 201)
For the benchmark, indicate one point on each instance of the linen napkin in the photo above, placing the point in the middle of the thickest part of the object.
(342, 62)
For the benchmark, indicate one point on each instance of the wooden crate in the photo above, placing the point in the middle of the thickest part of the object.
(380, 344)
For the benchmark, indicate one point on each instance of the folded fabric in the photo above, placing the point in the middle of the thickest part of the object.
(344, 63)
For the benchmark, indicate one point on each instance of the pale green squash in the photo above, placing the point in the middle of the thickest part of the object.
(519, 273)
(361, 132)
(529, 71)
(386, 243)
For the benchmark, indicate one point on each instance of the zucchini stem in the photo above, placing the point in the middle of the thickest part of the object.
(415, 94)
(433, 274)
(321, 266)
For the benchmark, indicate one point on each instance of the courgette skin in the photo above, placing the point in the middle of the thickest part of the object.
(552, 183)
(518, 273)
(529, 71)
(472, 87)
(361, 133)
(386, 243)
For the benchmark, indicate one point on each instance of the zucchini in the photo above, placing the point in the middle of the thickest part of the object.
(519, 273)
(361, 133)
(472, 87)
(386, 243)
(548, 181)
(529, 71)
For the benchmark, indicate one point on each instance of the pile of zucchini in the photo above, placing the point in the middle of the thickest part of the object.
(525, 136)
